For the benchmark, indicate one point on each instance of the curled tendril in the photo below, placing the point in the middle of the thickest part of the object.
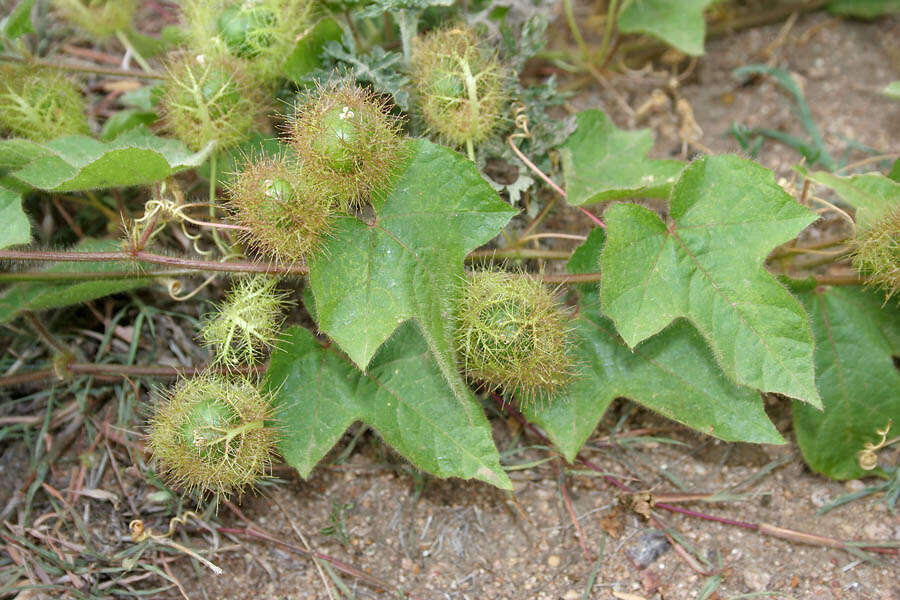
(174, 287)
(867, 458)
(139, 533)
(521, 120)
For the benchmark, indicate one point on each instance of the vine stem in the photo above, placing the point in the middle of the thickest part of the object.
(114, 370)
(550, 182)
(519, 253)
(157, 259)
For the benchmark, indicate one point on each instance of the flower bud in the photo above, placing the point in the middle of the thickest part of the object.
(247, 323)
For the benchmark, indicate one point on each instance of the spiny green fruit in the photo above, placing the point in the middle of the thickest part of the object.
(288, 217)
(511, 334)
(348, 143)
(261, 33)
(246, 324)
(460, 85)
(40, 104)
(247, 30)
(876, 251)
(100, 18)
(207, 99)
(212, 434)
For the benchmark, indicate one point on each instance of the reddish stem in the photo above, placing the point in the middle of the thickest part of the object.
(157, 259)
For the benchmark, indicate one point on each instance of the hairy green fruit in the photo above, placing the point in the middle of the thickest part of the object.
(208, 99)
(100, 18)
(876, 252)
(287, 216)
(246, 30)
(260, 33)
(460, 83)
(40, 104)
(210, 434)
(245, 325)
(511, 334)
(347, 142)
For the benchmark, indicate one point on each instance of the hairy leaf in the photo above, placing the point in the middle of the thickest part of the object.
(673, 373)
(403, 395)
(676, 22)
(407, 263)
(42, 295)
(15, 227)
(16, 153)
(76, 162)
(126, 120)
(872, 194)
(856, 337)
(727, 214)
(601, 163)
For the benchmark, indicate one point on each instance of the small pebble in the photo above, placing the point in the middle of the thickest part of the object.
(553, 560)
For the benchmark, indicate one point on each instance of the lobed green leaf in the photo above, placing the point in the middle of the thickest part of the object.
(676, 22)
(726, 214)
(16, 229)
(75, 163)
(319, 392)
(602, 163)
(405, 264)
(673, 374)
(857, 337)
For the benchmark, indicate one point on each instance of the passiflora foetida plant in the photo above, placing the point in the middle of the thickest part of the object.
(332, 162)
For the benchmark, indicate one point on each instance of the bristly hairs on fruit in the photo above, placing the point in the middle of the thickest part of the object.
(213, 434)
(259, 33)
(347, 141)
(208, 98)
(246, 324)
(99, 18)
(460, 86)
(512, 335)
(40, 104)
(288, 217)
(876, 252)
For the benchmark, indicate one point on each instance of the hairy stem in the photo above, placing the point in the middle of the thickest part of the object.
(157, 259)
(113, 370)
